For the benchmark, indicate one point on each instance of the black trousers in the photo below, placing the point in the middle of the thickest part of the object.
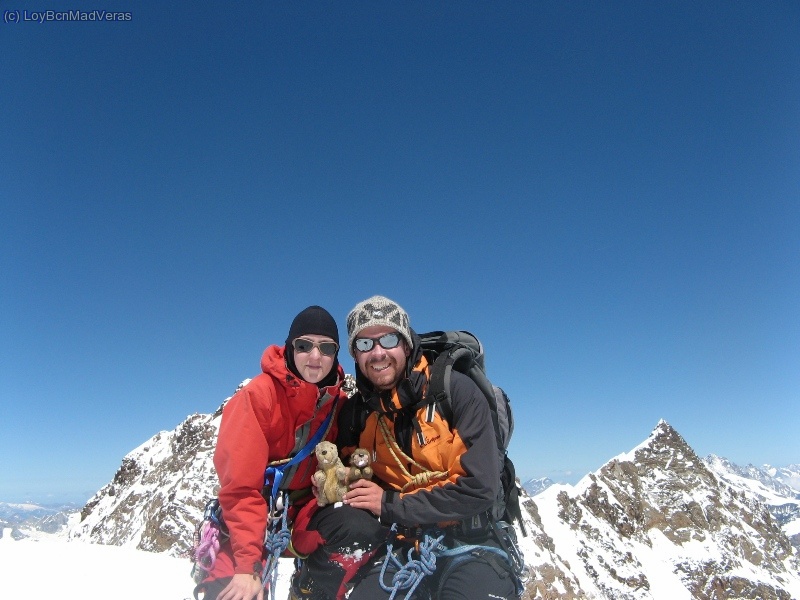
(213, 588)
(355, 551)
(472, 576)
(352, 536)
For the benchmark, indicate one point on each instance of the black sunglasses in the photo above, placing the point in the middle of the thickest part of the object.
(304, 345)
(387, 341)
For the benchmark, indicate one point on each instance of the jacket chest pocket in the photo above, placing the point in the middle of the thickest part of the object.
(436, 453)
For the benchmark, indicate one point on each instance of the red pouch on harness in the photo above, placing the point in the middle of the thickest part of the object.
(304, 540)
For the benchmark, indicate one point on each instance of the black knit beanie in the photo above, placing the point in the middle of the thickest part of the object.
(313, 320)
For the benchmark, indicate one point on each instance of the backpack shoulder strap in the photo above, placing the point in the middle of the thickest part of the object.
(439, 387)
(274, 472)
(439, 384)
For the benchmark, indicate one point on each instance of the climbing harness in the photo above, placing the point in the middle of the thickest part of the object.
(410, 574)
(507, 537)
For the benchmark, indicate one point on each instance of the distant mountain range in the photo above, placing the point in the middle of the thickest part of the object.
(536, 486)
(657, 522)
(21, 520)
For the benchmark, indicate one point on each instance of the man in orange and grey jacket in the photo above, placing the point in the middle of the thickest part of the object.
(428, 473)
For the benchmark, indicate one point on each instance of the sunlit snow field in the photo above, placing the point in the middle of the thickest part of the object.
(55, 568)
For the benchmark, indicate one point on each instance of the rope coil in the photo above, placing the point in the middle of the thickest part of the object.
(206, 552)
(422, 479)
(409, 575)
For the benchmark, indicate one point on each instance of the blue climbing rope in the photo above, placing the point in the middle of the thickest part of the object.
(277, 540)
(409, 575)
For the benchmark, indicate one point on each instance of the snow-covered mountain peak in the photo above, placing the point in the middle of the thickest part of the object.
(158, 493)
(656, 522)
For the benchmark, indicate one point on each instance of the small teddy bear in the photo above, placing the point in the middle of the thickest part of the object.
(330, 474)
(359, 466)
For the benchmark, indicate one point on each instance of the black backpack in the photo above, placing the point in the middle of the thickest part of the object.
(462, 351)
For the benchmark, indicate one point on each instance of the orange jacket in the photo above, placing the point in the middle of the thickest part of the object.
(269, 419)
(457, 470)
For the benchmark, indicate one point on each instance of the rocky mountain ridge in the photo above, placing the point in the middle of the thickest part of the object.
(158, 493)
(656, 522)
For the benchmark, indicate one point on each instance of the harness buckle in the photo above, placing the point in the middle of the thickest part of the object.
(474, 527)
(439, 397)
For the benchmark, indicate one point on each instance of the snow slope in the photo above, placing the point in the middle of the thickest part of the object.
(54, 567)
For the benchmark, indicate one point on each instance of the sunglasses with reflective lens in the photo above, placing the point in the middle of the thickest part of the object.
(387, 341)
(304, 345)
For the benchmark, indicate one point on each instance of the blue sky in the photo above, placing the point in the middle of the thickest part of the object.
(607, 193)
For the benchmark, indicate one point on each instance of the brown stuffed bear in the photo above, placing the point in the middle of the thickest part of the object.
(359, 466)
(329, 476)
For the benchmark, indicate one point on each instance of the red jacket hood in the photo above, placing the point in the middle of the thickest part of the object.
(273, 362)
